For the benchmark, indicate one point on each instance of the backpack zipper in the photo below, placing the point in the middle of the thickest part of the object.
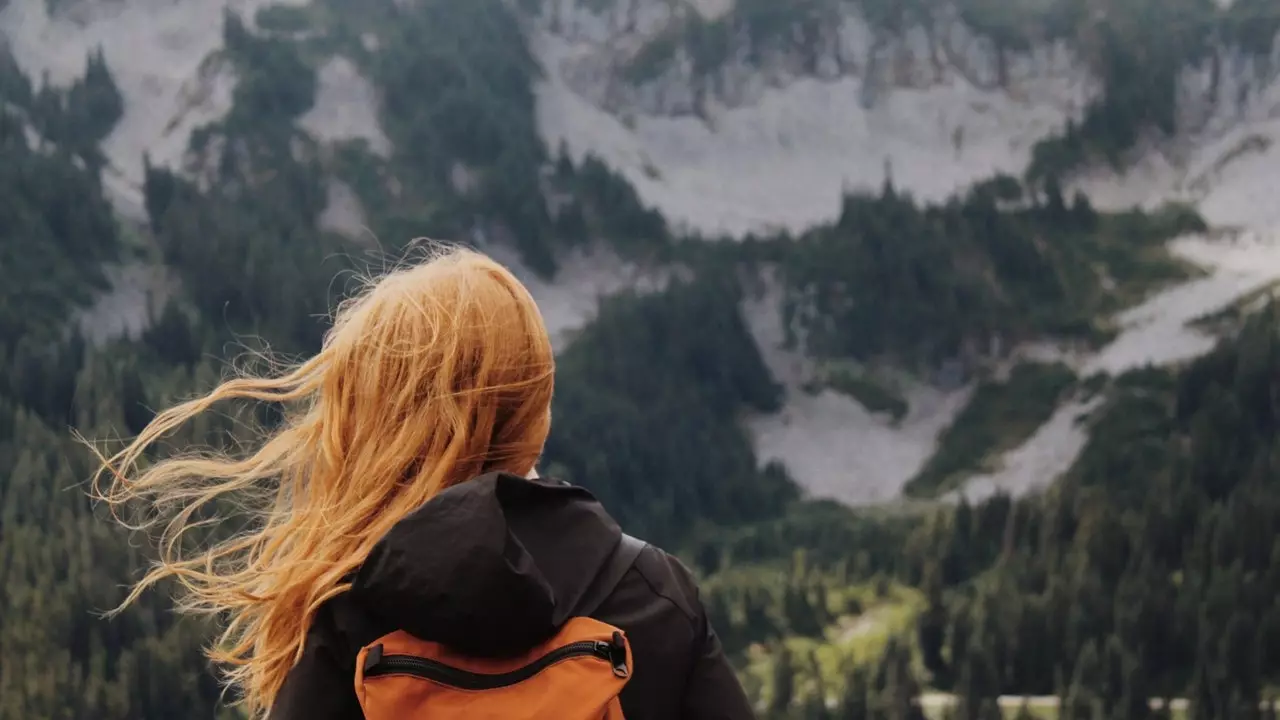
(376, 664)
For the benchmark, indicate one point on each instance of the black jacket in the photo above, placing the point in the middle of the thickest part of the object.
(493, 567)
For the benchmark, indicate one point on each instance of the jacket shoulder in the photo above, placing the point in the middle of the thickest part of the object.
(658, 585)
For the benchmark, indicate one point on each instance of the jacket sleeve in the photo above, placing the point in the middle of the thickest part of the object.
(713, 691)
(318, 688)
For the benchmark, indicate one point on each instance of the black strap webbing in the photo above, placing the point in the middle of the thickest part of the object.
(624, 556)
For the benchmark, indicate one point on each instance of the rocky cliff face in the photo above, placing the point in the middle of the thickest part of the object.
(664, 58)
(765, 128)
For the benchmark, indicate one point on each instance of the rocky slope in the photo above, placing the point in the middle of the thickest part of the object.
(766, 134)
(741, 149)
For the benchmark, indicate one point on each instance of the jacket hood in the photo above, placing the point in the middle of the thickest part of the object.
(490, 567)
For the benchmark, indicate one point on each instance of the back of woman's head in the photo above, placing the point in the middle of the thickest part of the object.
(434, 374)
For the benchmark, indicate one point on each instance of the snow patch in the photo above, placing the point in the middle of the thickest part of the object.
(34, 141)
(462, 178)
(30, 135)
(1043, 458)
(830, 444)
(159, 52)
(1156, 332)
(343, 214)
(346, 107)
(1244, 194)
(1232, 179)
(139, 291)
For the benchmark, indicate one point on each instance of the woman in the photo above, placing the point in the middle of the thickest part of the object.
(400, 493)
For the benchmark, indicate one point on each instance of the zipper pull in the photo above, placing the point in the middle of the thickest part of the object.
(618, 655)
(373, 657)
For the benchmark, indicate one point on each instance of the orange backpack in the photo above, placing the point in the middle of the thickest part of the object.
(576, 675)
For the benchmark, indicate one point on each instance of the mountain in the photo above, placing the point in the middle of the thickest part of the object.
(721, 121)
(872, 251)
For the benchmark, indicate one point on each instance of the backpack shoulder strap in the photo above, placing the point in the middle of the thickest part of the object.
(624, 556)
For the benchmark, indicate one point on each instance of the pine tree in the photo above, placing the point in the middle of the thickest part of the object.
(784, 678)
(897, 690)
(1083, 701)
(1055, 203)
(1083, 216)
(1203, 703)
(758, 622)
(816, 704)
(802, 619)
(853, 700)
(1134, 702)
(931, 627)
(1241, 653)
(989, 709)
(96, 100)
(721, 620)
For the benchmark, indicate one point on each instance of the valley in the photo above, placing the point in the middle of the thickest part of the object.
(853, 300)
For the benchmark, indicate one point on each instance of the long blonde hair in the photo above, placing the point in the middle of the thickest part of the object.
(432, 375)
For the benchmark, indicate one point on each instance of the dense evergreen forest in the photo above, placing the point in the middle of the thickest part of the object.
(1152, 570)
